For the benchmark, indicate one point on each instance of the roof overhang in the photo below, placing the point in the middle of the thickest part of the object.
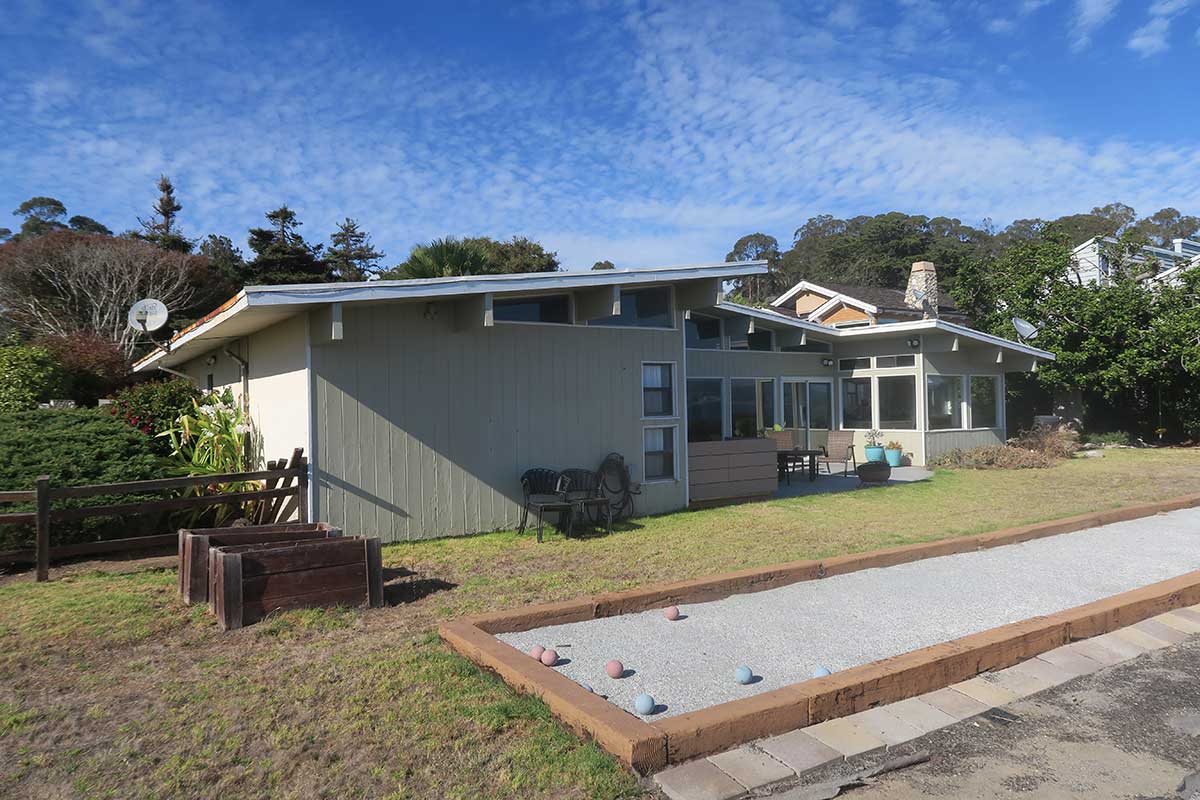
(891, 329)
(257, 307)
(802, 286)
(841, 300)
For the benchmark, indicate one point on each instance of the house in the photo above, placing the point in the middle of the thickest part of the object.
(1161, 265)
(421, 402)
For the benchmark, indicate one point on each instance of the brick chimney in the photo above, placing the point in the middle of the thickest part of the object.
(922, 291)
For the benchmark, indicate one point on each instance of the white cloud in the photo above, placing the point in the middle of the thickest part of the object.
(1000, 25)
(1151, 38)
(843, 15)
(1089, 16)
(1030, 6)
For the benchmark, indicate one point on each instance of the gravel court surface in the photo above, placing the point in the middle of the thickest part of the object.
(843, 621)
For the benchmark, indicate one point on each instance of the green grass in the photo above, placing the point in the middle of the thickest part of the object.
(110, 688)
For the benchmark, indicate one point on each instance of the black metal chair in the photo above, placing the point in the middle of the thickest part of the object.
(545, 490)
(584, 492)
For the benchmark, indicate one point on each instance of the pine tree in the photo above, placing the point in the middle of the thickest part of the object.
(351, 256)
(282, 256)
(160, 229)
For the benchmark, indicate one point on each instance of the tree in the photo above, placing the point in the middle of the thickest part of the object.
(442, 258)
(42, 215)
(161, 229)
(87, 225)
(351, 255)
(604, 265)
(756, 247)
(281, 255)
(518, 254)
(1166, 225)
(66, 283)
(224, 259)
(28, 375)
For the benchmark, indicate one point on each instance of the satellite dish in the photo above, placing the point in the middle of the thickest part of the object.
(1025, 328)
(147, 315)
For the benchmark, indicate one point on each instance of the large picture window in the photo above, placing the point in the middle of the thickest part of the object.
(658, 390)
(555, 309)
(658, 453)
(759, 340)
(703, 333)
(752, 406)
(898, 403)
(642, 308)
(945, 399)
(705, 407)
(985, 401)
(856, 403)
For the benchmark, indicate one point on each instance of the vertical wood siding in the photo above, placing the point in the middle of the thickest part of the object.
(424, 431)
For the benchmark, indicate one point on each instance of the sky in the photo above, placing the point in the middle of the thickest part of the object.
(637, 131)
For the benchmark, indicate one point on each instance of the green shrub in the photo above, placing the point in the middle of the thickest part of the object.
(76, 447)
(1112, 437)
(154, 407)
(28, 375)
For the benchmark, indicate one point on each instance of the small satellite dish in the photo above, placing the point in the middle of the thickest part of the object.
(1025, 328)
(147, 315)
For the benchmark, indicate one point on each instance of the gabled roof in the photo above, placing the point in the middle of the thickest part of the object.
(880, 298)
(257, 307)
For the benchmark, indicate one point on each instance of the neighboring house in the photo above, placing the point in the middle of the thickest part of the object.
(843, 306)
(422, 402)
(1093, 264)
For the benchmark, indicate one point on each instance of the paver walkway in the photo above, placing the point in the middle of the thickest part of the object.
(781, 759)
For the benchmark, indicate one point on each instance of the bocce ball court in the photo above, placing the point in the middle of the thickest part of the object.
(887, 625)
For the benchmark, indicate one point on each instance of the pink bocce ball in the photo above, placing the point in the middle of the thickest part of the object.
(614, 668)
(671, 613)
(536, 651)
(550, 658)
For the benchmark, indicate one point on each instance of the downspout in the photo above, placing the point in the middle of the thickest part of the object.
(244, 372)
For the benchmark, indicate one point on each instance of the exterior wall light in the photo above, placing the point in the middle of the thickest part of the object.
(826, 362)
(914, 343)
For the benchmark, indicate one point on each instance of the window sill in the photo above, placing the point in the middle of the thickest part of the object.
(654, 481)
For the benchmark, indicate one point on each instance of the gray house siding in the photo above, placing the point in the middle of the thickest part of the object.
(938, 442)
(422, 430)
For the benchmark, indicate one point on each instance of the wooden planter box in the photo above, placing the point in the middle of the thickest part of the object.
(195, 544)
(250, 581)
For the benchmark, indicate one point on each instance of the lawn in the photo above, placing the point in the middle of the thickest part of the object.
(110, 688)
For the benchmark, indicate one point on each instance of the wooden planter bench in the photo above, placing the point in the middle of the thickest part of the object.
(248, 582)
(194, 545)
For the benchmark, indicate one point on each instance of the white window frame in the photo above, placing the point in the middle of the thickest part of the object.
(726, 408)
(721, 343)
(674, 428)
(570, 310)
(999, 382)
(808, 381)
(965, 405)
(674, 365)
(913, 356)
(674, 311)
(842, 403)
(776, 398)
(876, 415)
(852, 370)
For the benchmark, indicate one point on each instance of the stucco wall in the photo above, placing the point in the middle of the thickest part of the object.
(425, 431)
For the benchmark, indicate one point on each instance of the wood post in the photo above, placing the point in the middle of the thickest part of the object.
(302, 490)
(43, 528)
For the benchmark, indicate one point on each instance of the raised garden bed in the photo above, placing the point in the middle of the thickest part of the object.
(248, 582)
(195, 543)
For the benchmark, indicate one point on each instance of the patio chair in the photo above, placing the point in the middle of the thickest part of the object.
(545, 490)
(839, 450)
(584, 492)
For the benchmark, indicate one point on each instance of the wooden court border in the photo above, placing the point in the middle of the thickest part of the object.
(649, 746)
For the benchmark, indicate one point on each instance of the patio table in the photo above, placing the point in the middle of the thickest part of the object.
(789, 457)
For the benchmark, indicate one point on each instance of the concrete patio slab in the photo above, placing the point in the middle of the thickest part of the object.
(884, 726)
(1071, 661)
(1105, 654)
(954, 703)
(1179, 622)
(1139, 639)
(751, 768)
(918, 714)
(698, 780)
(799, 751)
(1158, 630)
(986, 692)
(845, 737)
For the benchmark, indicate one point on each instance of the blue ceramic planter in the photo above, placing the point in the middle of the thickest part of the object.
(874, 453)
(893, 457)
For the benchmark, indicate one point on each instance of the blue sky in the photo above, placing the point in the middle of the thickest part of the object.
(641, 132)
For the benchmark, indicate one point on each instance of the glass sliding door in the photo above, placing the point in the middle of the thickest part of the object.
(807, 409)
(820, 413)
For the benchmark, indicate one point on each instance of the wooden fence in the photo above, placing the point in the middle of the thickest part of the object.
(284, 492)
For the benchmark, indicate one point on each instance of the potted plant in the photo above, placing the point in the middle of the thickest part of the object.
(873, 448)
(894, 452)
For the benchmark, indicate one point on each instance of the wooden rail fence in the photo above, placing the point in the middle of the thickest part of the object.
(284, 492)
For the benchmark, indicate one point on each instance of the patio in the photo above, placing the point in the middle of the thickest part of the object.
(840, 481)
